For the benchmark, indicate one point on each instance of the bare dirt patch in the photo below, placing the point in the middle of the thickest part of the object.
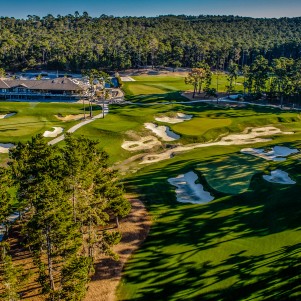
(102, 287)
(134, 230)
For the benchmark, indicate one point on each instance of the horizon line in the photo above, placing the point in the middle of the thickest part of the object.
(143, 16)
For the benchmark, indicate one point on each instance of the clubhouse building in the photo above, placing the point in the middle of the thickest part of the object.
(44, 89)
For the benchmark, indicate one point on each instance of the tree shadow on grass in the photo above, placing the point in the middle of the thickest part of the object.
(241, 247)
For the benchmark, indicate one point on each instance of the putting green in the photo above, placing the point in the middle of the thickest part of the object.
(198, 126)
(231, 174)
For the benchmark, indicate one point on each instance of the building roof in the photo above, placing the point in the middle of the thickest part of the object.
(58, 84)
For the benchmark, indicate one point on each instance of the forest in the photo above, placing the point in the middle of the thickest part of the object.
(79, 41)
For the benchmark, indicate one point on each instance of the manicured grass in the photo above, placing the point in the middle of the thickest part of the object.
(162, 88)
(231, 174)
(237, 247)
(244, 245)
(198, 126)
(33, 118)
(118, 125)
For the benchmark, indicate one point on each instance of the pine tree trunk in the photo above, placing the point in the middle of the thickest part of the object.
(281, 101)
(49, 260)
(194, 90)
(117, 221)
(200, 87)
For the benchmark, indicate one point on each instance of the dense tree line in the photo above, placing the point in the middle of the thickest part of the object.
(278, 80)
(76, 42)
(67, 197)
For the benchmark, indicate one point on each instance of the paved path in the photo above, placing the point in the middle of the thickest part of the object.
(14, 216)
(79, 125)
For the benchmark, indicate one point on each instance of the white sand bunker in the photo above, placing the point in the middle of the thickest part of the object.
(280, 177)
(143, 143)
(127, 79)
(251, 135)
(189, 192)
(162, 131)
(180, 118)
(248, 136)
(4, 147)
(7, 115)
(277, 153)
(71, 117)
(54, 133)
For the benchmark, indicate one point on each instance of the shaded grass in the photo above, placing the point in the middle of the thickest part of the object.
(239, 247)
(231, 174)
(245, 244)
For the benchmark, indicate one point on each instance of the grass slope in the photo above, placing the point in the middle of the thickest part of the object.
(237, 247)
(159, 88)
(33, 118)
(244, 245)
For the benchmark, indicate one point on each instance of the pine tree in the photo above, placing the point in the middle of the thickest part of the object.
(98, 193)
(11, 276)
(6, 200)
(51, 232)
(71, 194)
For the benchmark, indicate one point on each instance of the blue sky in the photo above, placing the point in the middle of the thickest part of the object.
(252, 8)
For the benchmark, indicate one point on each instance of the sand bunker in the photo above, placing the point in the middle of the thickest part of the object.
(71, 117)
(249, 136)
(127, 79)
(143, 143)
(280, 177)
(4, 147)
(54, 133)
(7, 115)
(180, 118)
(277, 153)
(189, 192)
(162, 131)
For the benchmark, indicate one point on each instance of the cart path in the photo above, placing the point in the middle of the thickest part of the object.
(14, 216)
(82, 123)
